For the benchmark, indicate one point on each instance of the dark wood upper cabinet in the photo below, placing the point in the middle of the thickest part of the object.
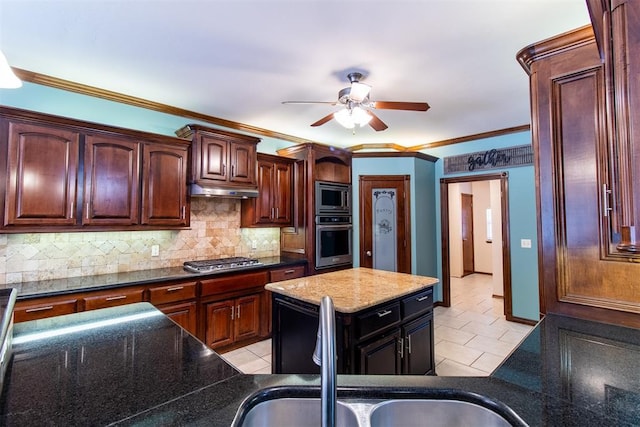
(164, 193)
(111, 171)
(579, 183)
(273, 206)
(67, 175)
(227, 158)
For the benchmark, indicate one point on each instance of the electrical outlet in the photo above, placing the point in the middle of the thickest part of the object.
(254, 244)
(525, 243)
(155, 250)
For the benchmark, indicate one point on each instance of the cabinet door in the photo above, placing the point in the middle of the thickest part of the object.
(242, 159)
(42, 170)
(247, 319)
(418, 352)
(219, 323)
(264, 210)
(282, 193)
(111, 189)
(164, 185)
(382, 356)
(213, 159)
(184, 314)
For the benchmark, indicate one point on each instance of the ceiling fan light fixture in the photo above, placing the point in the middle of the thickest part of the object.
(360, 116)
(344, 118)
(349, 118)
(8, 79)
(359, 91)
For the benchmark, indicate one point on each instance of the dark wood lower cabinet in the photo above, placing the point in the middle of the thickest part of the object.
(184, 314)
(389, 339)
(232, 320)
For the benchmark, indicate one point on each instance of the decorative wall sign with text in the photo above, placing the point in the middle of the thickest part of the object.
(521, 155)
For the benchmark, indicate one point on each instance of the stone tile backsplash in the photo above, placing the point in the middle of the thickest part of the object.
(215, 232)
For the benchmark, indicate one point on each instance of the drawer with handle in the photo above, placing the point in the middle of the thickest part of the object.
(25, 311)
(112, 299)
(418, 303)
(286, 273)
(172, 293)
(377, 319)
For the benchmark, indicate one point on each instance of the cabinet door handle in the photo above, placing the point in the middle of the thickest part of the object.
(289, 271)
(232, 313)
(72, 213)
(276, 217)
(426, 297)
(605, 199)
(224, 169)
(238, 315)
(87, 214)
(401, 344)
(177, 288)
(384, 313)
(183, 212)
(272, 215)
(233, 170)
(116, 298)
(409, 344)
(33, 310)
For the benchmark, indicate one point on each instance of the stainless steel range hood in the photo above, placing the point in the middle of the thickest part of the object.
(197, 190)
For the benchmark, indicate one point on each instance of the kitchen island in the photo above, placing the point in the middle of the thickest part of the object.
(131, 365)
(384, 322)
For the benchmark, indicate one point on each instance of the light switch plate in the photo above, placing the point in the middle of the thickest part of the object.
(525, 243)
(155, 250)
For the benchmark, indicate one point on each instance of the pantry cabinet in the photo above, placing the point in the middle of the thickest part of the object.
(68, 175)
(585, 267)
(272, 207)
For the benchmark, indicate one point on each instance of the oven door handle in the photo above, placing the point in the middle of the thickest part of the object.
(334, 226)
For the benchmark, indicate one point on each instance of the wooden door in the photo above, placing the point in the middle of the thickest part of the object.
(264, 202)
(418, 352)
(242, 159)
(282, 193)
(466, 217)
(219, 323)
(247, 320)
(382, 356)
(111, 186)
(385, 242)
(213, 159)
(42, 170)
(164, 190)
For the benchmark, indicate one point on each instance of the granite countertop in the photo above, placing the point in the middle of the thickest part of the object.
(353, 289)
(42, 288)
(131, 365)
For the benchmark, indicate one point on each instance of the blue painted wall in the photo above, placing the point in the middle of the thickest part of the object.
(49, 100)
(423, 206)
(522, 218)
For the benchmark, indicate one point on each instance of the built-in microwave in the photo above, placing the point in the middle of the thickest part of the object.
(334, 241)
(333, 198)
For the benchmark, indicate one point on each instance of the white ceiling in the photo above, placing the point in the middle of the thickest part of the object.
(239, 59)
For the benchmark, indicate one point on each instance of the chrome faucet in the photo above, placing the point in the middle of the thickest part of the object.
(324, 355)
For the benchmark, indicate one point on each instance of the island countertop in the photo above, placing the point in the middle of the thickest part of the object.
(353, 289)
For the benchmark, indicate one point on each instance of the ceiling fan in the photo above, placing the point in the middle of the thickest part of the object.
(357, 106)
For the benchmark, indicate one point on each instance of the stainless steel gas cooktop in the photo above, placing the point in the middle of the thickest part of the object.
(220, 264)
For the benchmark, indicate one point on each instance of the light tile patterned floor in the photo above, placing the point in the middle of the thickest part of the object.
(472, 336)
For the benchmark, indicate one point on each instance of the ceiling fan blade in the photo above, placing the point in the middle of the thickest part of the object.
(323, 120)
(393, 105)
(376, 123)
(310, 102)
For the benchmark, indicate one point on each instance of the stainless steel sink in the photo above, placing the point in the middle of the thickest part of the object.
(300, 406)
(434, 413)
(298, 412)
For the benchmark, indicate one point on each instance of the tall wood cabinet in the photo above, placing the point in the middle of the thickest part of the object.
(582, 270)
(68, 175)
(313, 162)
